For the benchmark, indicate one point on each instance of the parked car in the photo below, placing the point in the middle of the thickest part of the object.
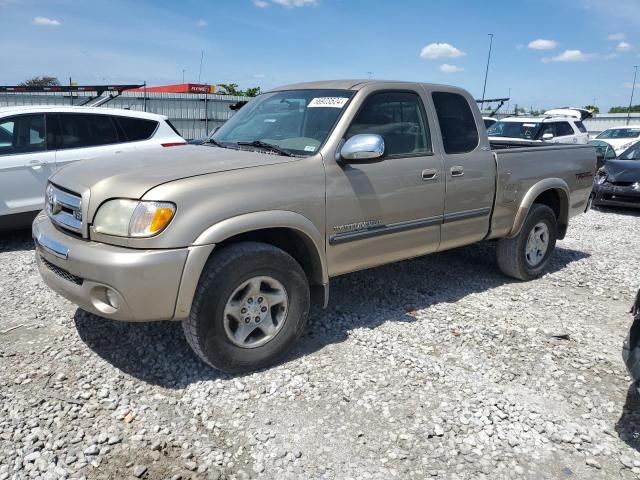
(549, 128)
(620, 138)
(617, 183)
(37, 141)
(307, 182)
(631, 346)
(489, 121)
(604, 151)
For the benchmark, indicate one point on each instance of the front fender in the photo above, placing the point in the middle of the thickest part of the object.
(556, 184)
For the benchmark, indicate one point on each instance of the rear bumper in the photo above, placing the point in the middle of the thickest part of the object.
(115, 282)
(611, 195)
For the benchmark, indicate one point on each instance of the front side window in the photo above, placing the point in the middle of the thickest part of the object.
(457, 124)
(297, 122)
(22, 134)
(79, 130)
(563, 129)
(399, 118)
(523, 130)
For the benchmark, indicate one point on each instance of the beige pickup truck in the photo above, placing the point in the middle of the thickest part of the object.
(304, 183)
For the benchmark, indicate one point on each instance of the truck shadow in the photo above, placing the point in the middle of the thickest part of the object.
(628, 426)
(18, 240)
(158, 353)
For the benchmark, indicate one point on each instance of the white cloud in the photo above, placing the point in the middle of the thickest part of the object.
(542, 44)
(202, 23)
(446, 68)
(260, 3)
(616, 37)
(440, 50)
(623, 46)
(569, 56)
(628, 85)
(295, 3)
(46, 22)
(6, 3)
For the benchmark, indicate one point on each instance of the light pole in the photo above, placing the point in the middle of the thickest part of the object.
(486, 73)
(633, 87)
(183, 70)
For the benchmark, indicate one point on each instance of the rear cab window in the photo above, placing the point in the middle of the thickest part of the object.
(457, 123)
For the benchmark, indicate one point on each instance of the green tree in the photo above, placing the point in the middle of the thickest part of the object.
(232, 89)
(252, 92)
(592, 108)
(43, 81)
(634, 109)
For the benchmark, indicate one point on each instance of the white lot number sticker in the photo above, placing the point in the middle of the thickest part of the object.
(328, 102)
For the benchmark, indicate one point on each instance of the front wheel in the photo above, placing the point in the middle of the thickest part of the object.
(526, 255)
(251, 304)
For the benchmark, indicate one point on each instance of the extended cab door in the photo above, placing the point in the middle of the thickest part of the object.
(25, 163)
(389, 209)
(83, 136)
(470, 169)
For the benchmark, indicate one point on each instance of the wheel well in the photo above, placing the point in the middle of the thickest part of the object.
(295, 243)
(556, 200)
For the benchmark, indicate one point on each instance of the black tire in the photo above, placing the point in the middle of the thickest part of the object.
(511, 251)
(225, 271)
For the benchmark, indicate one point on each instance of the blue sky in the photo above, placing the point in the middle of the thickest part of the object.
(588, 50)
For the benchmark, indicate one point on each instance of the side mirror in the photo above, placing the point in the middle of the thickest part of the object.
(362, 148)
(547, 136)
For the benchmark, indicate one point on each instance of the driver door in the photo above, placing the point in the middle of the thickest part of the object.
(391, 208)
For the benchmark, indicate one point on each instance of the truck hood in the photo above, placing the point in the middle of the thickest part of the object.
(622, 170)
(130, 175)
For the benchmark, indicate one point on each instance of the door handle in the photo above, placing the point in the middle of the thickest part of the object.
(36, 164)
(457, 171)
(429, 174)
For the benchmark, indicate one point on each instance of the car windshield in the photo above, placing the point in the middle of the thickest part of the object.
(524, 130)
(620, 133)
(294, 122)
(631, 153)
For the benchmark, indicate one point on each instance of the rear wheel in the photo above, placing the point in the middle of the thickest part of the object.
(525, 256)
(251, 304)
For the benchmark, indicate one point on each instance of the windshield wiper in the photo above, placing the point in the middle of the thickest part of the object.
(215, 142)
(270, 146)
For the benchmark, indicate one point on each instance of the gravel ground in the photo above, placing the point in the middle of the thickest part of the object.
(437, 366)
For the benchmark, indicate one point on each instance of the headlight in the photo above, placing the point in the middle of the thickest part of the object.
(601, 179)
(133, 218)
(636, 186)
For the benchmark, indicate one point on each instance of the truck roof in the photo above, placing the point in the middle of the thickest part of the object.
(77, 109)
(352, 84)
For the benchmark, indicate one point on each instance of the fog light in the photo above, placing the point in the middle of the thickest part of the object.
(112, 298)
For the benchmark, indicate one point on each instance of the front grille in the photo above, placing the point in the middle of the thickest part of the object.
(64, 208)
(61, 272)
(622, 184)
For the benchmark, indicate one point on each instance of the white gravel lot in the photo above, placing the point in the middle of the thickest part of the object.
(438, 366)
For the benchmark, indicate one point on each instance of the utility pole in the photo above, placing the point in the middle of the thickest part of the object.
(200, 72)
(183, 70)
(486, 73)
(633, 88)
(370, 73)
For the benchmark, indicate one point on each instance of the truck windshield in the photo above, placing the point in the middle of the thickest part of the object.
(524, 130)
(620, 133)
(632, 153)
(295, 121)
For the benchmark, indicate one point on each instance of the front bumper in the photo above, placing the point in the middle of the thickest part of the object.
(615, 196)
(115, 282)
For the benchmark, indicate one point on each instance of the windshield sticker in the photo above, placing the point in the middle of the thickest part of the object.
(331, 102)
(529, 124)
(270, 120)
(309, 148)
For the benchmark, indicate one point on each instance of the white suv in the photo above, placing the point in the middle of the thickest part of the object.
(555, 126)
(36, 141)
